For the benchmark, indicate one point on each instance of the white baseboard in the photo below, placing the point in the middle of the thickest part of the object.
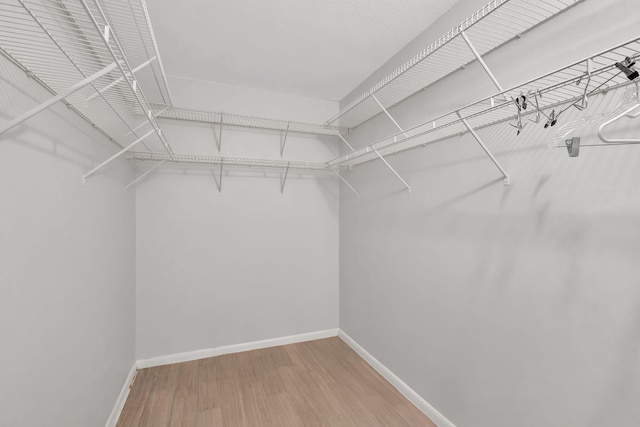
(122, 398)
(236, 348)
(431, 412)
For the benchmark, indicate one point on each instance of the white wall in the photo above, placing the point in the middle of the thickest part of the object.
(67, 270)
(503, 306)
(248, 263)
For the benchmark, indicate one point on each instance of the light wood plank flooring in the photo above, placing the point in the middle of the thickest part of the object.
(317, 383)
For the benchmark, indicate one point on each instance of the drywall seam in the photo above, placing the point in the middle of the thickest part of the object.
(401, 386)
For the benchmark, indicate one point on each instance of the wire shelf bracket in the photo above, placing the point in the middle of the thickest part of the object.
(219, 179)
(341, 178)
(393, 170)
(283, 140)
(144, 175)
(485, 149)
(389, 115)
(342, 138)
(484, 65)
(283, 180)
(219, 140)
(115, 156)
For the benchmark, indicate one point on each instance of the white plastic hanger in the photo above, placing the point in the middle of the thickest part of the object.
(631, 113)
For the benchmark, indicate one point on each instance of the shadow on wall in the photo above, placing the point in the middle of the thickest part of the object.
(84, 147)
(499, 154)
(55, 131)
(621, 381)
(459, 198)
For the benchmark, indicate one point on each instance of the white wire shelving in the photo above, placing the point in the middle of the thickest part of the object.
(231, 161)
(566, 86)
(72, 50)
(221, 163)
(184, 114)
(132, 26)
(495, 24)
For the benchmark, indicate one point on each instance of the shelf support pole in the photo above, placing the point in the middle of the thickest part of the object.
(219, 141)
(115, 156)
(219, 180)
(484, 64)
(345, 182)
(393, 170)
(484, 147)
(345, 141)
(284, 140)
(26, 116)
(283, 181)
(141, 177)
(389, 115)
(119, 79)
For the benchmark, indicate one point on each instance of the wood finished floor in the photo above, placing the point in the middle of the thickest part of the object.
(317, 383)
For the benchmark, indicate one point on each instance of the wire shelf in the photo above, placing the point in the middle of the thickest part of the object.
(60, 44)
(168, 112)
(132, 26)
(564, 86)
(495, 24)
(230, 161)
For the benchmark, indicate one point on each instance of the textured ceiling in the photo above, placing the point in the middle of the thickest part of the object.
(316, 48)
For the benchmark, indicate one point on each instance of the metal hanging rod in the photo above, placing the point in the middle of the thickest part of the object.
(184, 114)
(496, 23)
(564, 86)
(231, 161)
(60, 44)
(283, 166)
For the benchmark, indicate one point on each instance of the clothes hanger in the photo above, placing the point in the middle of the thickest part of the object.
(631, 113)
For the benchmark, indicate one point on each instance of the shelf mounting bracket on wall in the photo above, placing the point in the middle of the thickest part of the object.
(345, 141)
(219, 141)
(389, 115)
(345, 182)
(392, 170)
(283, 140)
(219, 179)
(141, 177)
(484, 147)
(118, 154)
(379, 155)
(284, 180)
(483, 64)
(26, 116)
